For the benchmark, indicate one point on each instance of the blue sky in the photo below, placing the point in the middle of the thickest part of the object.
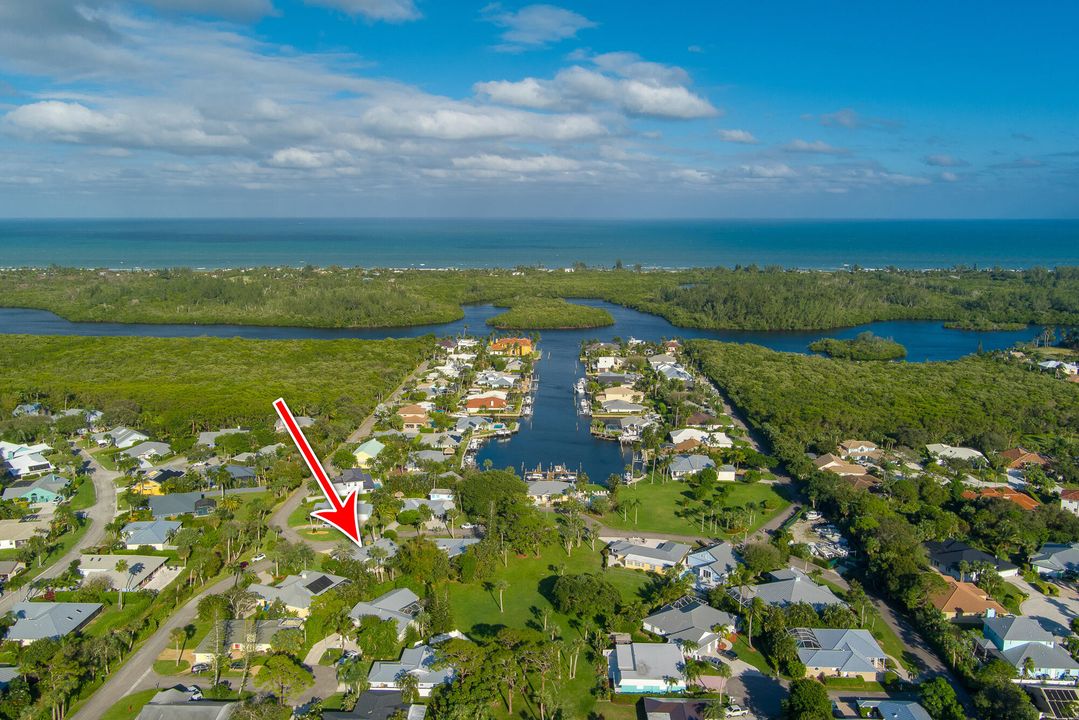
(592, 109)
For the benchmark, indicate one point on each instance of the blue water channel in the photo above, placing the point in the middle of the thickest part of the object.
(554, 434)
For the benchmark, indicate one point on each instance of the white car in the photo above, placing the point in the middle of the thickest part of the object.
(734, 711)
(467, 526)
(259, 557)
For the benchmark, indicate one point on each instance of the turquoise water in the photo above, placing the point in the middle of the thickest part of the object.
(551, 243)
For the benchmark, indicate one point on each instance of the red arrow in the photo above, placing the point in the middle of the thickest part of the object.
(343, 513)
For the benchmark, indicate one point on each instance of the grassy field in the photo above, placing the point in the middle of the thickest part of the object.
(127, 708)
(663, 506)
(306, 526)
(476, 611)
(84, 497)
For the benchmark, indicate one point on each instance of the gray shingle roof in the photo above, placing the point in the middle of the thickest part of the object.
(788, 588)
(37, 620)
(844, 650)
(149, 532)
(667, 551)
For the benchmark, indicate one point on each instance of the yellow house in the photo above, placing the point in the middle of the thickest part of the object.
(621, 392)
(518, 347)
(146, 486)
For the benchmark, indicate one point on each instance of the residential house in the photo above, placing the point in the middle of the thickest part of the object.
(1022, 643)
(46, 489)
(388, 547)
(17, 533)
(354, 480)
(837, 465)
(140, 569)
(120, 437)
(1056, 559)
(379, 705)
(297, 591)
(414, 417)
(712, 565)
(892, 709)
(21, 461)
(482, 403)
(702, 420)
(726, 473)
(453, 547)
(367, 452)
(1002, 493)
(621, 392)
(1069, 500)
(674, 709)
(617, 407)
(862, 449)
(28, 409)
(682, 466)
(400, 605)
(607, 362)
(662, 359)
(183, 703)
(10, 568)
(419, 661)
(175, 504)
(439, 508)
(941, 451)
(236, 638)
(1018, 458)
(156, 534)
(646, 668)
(444, 441)
(956, 558)
(147, 451)
(440, 495)
(606, 379)
(514, 347)
(495, 379)
(963, 602)
(209, 438)
(54, 620)
(8, 673)
(674, 371)
(302, 421)
(655, 557)
(545, 493)
(839, 653)
(690, 620)
(146, 486)
(788, 587)
(716, 438)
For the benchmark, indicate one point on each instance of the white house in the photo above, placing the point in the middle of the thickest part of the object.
(646, 668)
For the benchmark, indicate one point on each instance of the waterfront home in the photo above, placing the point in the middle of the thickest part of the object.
(1022, 643)
(175, 504)
(712, 566)
(956, 558)
(21, 461)
(419, 661)
(511, 346)
(49, 620)
(682, 466)
(862, 449)
(1018, 458)
(400, 605)
(1023, 500)
(607, 362)
(940, 451)
(964, 602)
(646, 668)
(653, 557)
(297, 591)
(837, 465)
(472, 424)
(715, 438)
(892, 709)
(46, 489)
(413, 417)
(156, 534)
(702, 420)
(690, 620)
(619, 407)
(674, 371)
(453, 547)
(787, 587)
(828, 652)
(119, 437)
(621, 392)
(444, 441)
(367, 452)
(606, 379)
(147, 451)
(235, 638)
(140, 569)
(354, 480)
(18, 532)
(302, 421)
(209, 438)
(495, 379)
(483, 403)
(1056, 559)
(1069, 500)
(516, 365)
(662, 359)
(545, 493)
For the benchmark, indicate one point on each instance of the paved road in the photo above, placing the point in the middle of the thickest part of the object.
(368, 424)
(1054, 614)
(137, 673)
(100, 514)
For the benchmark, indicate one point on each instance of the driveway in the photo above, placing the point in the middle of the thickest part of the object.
(1054, 614)
(761, 694)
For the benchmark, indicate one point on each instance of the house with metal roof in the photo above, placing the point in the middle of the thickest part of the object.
(40, 620)
(957, 558)
(209, 438)
(120, 437)
(690, 620)
(683, 466)
(236, 637)
(712, 565)
(545, 493)
(185, 703)
(646, 668)
(892, 709)
(297, 591)
(839, 653)
(147, 451)
(156, 534)
(46, 489)
(788, 587)
(418, 661)
(379, 705)
(138, 569)
(1056, 559)
(655, 556)
(176, 504)
(400, 605)
(455, 546)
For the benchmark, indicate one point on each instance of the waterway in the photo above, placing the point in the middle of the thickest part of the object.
(554, 434)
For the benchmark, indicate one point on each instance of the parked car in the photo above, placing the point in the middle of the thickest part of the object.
(259, 558)
(734, 710)
(467, 526)
(199, 668)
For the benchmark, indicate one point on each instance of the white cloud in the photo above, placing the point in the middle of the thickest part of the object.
(472, 123)
(769, 170)
(531, 164)
(690, 175)
(949, 177)
(530, 93)
(386, 10)
(743, 137)
(944, 161)
(301, 159)
(817, 147)
(535, 25)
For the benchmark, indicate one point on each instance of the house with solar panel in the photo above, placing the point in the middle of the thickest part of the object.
(296, 592)
(839, 653)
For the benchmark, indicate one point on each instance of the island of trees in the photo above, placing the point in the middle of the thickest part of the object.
(536, 313)
(866, 346)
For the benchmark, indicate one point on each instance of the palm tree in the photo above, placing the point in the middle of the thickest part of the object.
(121, 567)
(723, 671)
(178, 635)
(409, 685)
(501, 586)
(716, 708)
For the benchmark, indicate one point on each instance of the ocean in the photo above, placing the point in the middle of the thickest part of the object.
(433, 243)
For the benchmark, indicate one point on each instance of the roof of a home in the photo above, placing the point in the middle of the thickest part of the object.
(363, 554)
(371, 447)
(51, 483)
(139, 567)
(842, 649)
(1017, 457)
(1043, 657)
(895, 709)
(1058, 557)
(1021, 499)
(648, 661)
(719, 558)
(209, 438)
(789, 587)
(37, 620)
(149, 532)
(187, 709)
(674, 709)
(541, 488)
(399, 605)
(1011, 628)
(949, 553)
(688, 619)
(297, 591)
(174, 503)
(455, 546)
(418, 661)
(964, 598)
(953, 453)
(240, 631)
(667, 551)
(377, 705)
(691, 463)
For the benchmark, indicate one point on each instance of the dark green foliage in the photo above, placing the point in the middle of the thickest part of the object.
(584, 595)
(808, 700)
(533, 313)
(1004, 701)
(939, 700)
(866, 346)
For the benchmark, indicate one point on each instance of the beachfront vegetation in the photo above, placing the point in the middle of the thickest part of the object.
(534, 313)
(866, 346)
(720, 298)
(174, 387)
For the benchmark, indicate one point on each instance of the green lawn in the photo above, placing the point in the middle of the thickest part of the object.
(853, 684)
(1011, 597)
(750, 655)
(663, 506)
(476, 610)
(84, 497)
(126, 708)
(169, 667)
(301, 520)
